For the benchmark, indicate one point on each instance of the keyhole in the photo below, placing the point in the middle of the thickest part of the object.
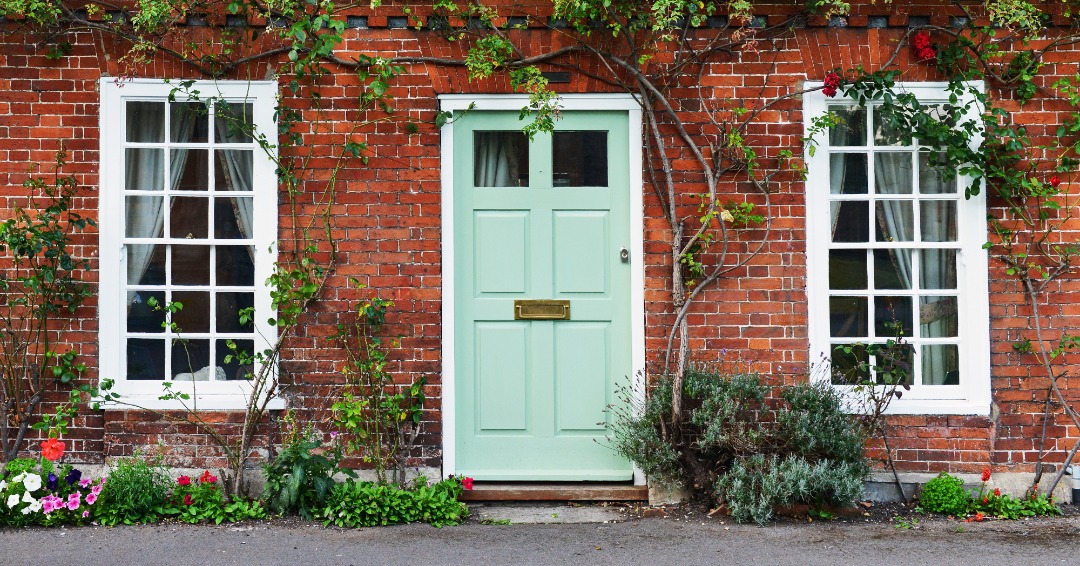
(624, 255)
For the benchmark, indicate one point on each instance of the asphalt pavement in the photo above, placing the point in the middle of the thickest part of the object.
(632, 541)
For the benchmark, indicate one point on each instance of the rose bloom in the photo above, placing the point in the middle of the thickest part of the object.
(467, 483)
(52, 449)
(183, 480)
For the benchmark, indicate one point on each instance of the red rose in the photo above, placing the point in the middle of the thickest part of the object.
(986, 475)
(183, 480)
(188, 500)
(832, 82)
(467, 483)
(920, 43)
(1054, 181)
(52, 449)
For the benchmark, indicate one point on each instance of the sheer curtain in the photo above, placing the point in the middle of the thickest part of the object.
(895, 217)
(145, 170)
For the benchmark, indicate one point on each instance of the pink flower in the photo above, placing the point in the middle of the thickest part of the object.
(85, 482)
(91, 498)
(85, 514)
(73, 501)
(51, 503)
(183, 480)
(832, 82)
(96, 490)
(467, 483)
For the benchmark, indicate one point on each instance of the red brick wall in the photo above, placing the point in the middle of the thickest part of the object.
(387, 225)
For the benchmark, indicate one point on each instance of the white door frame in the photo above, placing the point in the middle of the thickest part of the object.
(568, 102)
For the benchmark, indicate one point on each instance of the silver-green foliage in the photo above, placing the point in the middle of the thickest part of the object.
(756, 485)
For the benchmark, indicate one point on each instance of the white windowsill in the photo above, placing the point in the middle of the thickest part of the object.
(200, 402)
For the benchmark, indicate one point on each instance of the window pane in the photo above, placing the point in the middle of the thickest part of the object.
(890, 311)
(848, 174)
(144, 216)
(191, 265)
(145, 359)
(145, 122)
(188, 218)
(232, 218)
(938, 269)
(500, 159)
(191, 361)
(233, 171)
(228, 310)
(189, 122)
(938, 221)
(848, 316)
(849, 364)
(887, 129)
(850, 221)
(892, 269)
(235, 266)
(195, 316)
(940, 364)
(938, 317)
(893, 173)
(189, 168)
(579, 159)
(144, 170)
(932, 180)
(894, 220)
(232, 368)
(847, 269)
(145, 264)
(233, 123)
(852, 127)
(141, 316)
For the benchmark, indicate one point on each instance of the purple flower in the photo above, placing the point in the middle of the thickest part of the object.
(52, 482)
(73, 476)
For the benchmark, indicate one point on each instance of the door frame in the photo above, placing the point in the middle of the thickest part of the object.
(515, 102)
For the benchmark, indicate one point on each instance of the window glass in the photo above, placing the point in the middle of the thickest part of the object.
(579, 159)
(500, 159)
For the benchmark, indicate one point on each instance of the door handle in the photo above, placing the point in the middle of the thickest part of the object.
(624, 255)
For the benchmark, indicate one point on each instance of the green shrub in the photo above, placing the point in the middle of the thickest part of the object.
(300, 477)
(945, 494)
(740, 445)
(136, 491)
(365, 504)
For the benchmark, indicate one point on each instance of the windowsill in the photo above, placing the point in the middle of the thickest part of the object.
(198, 402)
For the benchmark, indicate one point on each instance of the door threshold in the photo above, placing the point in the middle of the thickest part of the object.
(555, 491)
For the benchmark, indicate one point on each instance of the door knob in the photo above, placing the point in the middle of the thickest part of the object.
(624, 255)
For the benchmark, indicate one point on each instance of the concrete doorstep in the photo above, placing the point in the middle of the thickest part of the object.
(503, 513)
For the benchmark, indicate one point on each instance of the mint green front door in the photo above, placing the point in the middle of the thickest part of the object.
(546, 220)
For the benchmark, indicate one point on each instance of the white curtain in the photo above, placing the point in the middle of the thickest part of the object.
(895, 217)
(495, 161)
(237, 165)
(145, 170)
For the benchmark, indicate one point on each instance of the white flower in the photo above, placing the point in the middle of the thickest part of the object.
(28, 498)
(32, 508)
(32, 482)
(12, 500)
(18, 478)
(726, 216)
(3, 485)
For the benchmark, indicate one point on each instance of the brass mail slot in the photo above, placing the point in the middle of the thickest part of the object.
(541, 309)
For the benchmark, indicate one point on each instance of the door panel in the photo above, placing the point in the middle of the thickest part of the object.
(531, 394)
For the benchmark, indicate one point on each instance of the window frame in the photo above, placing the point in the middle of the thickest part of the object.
(972, 396)
(208, 395)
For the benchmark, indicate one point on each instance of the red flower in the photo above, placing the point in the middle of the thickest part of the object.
(183, 480)
(986, 500)
(1054, 181)
(979, 517)
(986, 475)
(188, 500)
(207, 478)
(920, 42)
(997, 492)
(467, 483)
(832, 82)
(52, 449)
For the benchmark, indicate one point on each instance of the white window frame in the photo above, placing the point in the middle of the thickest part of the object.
(972, 396)
(115, 93)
